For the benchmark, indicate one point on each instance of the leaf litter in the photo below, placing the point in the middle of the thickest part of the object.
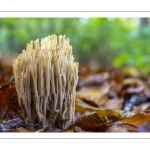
(107, 100)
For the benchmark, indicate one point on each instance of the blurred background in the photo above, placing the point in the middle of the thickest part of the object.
(97, 42)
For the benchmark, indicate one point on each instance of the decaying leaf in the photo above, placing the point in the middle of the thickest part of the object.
(5, 91)
(4, 101)
(50, 130)
(130, 71)
(15, 125)
(97, 95)
(9, 106)
(122, 128)
(77, 129)
(74, 129)
(147, 110)
(131, 124)
(137, 120)
(17, 122)
(105, 114)
(133, 85)
(91, 122)
(107, 100)
(22, 129)
(114, 104)
(125, 114)
(84, 70)
(71, 129)
(11, 125)
(95, 79)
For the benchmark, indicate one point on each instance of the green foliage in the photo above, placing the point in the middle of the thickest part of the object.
(96, 41)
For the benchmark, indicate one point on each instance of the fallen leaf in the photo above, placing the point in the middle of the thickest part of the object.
(40, 130)
(136, 109)
(144, 106)
(77, 129)
(147, 109)
(4, 98)
(117, 78)
(97, 95)
(84, 70)
(9, 106)
(11, 125)
(82, 107)
(6, 69)
(113, 104)
(22, 129)
(147, 88)
(122, 128)
(125, 114)
(17, 122)
(134, 122)
(74, 129)
(95, 79)
(91, 122)
(70, 129)
(133, 85)
(130, 71)
(48, 129)
(89, 102)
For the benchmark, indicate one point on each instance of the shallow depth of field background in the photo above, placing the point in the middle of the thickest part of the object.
(97, 42)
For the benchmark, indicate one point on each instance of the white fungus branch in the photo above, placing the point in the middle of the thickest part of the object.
(46, 77)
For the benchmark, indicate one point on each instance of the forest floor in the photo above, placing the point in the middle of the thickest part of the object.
(107, 100)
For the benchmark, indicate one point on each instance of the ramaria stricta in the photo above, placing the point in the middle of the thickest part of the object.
(46, 77)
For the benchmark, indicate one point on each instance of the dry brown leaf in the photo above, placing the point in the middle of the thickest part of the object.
(130, 71)
(117, 78)
(125, 114)
(4, 101)
(9, 102)
(11, 125)
(91, 122)
(4, 97)
(134, 122)
(95, 79)
(146, 89)
(74, 129)
(6, 70)
(22, 129)
(133, 85)
(82, 107)
(70, 129)
(97, 95)
(137, 109)
(147, 109)
(84, 70)
(77, 129)
(114, 104)
(122, 128)
(89, 102)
